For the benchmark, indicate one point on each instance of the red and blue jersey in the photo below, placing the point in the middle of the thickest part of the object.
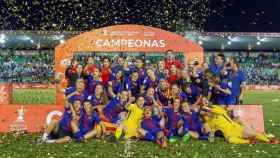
(117, 86)
(65, 121)
(91, 84)
(182, 96)
(193, 121)
(82, 96)
(193, 95)
(141, 72)
(148, 101)
(133, 87)
(148, 82)
(172, 118)
(87, 122)
(163, 96)
(97, 101)
(117, 68)
(112, 110)
(151, 125)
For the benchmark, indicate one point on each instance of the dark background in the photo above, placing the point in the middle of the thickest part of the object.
(173, 15)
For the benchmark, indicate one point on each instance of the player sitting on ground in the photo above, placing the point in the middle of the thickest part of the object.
(89, 124)
(151, 128)
(61, 131)
(174, 123)
(193, 123)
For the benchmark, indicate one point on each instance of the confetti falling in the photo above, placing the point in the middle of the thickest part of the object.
(243, 16)
(179, 15)
(87, 14)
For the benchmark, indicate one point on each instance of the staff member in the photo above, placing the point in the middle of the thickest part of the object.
(236, 78)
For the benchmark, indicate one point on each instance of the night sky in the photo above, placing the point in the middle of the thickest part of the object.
(173, 15)
(244, 16)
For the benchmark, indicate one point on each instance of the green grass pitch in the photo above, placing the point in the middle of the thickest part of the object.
(33, 96)
(21, 147)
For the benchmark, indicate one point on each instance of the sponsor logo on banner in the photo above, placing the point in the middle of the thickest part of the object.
(53, 115)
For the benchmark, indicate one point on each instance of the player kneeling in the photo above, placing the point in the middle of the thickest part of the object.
(151, 128)
(89, 124)
(61, 131)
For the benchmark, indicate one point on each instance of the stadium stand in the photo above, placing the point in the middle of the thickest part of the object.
(34, 66)
(26, 66)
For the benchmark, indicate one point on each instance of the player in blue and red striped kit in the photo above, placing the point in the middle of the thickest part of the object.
(89, 124)
(61, 131)
(174, 123)
(93, 80)
(116, 106)
(116, 84)
(163, 93)
(150, 97)
(151, 80)
(76, 93)
(133, 84)
(192, 122)
(152, 128)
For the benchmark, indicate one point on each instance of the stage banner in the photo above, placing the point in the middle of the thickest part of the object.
(5, 93)
(28, 118)
(123, 38)
(119, 38)
(250, 115)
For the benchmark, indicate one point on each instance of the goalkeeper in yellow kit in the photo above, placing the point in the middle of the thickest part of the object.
(218, 119)
(129, 126)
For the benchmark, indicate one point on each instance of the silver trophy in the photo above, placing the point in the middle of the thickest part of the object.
(19, 126)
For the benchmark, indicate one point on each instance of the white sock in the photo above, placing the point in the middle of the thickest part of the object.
(45, 136)
(50, 141)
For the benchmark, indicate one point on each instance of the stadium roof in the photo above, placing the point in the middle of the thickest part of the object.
(210, 41)
(232, 41)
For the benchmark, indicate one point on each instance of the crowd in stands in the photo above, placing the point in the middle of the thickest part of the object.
(161, 102)
(26, 66)
(37, 66)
